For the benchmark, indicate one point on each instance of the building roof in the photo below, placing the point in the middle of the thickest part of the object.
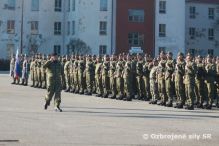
(204, 1)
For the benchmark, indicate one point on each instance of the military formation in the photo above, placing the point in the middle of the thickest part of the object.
(185, 82)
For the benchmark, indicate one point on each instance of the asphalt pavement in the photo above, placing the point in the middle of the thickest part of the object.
(92, 121)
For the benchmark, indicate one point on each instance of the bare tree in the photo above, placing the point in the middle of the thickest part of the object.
(78, 46)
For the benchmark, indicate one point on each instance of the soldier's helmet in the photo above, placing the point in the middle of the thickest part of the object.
(180, 54)
(169, 53)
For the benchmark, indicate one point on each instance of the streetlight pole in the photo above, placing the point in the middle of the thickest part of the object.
(22, 19)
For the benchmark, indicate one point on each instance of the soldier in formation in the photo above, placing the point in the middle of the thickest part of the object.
(186, 82)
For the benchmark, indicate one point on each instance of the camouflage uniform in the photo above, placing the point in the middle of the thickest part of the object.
(39, 73)
(161, 82)
(119, 79)
(76, 77)
(153, 85)
(98, 79)
(140, 82)
(169, 83)
(189, 80)
(209, 80)
(105, 78)
(54, 82)
(43, 74)
(67, 74)
(127, 76)
(199, 84)
(179, 84)
(113, 79)
(81, 75)
(146, 78)
(89, 76)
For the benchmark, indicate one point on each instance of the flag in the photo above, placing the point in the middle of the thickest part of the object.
(17, 65)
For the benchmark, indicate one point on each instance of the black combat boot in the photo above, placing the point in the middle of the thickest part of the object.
(129, 98)
(58, 109)
(46, 105)
(67, 90)
(113, 97)
(98, 95)
(169, 104)
(189, 107)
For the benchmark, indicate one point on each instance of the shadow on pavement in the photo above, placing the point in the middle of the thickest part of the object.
(142, 115)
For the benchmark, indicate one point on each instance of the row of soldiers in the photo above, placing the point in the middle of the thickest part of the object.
(194, 81)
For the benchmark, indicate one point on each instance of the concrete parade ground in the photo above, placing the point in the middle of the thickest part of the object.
(92, 121)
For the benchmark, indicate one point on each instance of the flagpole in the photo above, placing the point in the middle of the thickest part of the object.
(22, 19)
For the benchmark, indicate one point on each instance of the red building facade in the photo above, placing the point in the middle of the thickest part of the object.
(135, 25)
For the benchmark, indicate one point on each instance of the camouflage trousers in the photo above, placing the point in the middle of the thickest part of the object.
(154, 89)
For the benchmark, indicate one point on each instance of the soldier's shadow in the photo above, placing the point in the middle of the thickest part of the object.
(137, 113)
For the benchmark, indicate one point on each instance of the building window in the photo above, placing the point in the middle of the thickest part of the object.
(162, 7)
(103, 5)
(162, 49)
(10, 50)
(192, 32)
(136, 15)
(73, 5)
(35, 5)
(57, 49)
(68, 5)
(68, 27)
(58, 5)
(211, 13)
(102, 49)
(11, 26)
(192, 12)
(211, 52)
(10, 5)
(210, 34)
(136, 39)
(103, 27)
(162, 30)
(57, 28)
(73, 27)
(34, 27)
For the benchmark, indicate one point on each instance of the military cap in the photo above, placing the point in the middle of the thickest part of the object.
(189, 54)
(54, 54)
(169, 53)
(180, 54)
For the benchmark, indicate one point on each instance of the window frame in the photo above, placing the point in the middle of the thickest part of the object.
(102, 49)
(11, 26)
(162, 7)
(103, 28)
(34, 27)
(58, 6)
(132, 17)
(162, 30)
(57, 28)
(103, 5)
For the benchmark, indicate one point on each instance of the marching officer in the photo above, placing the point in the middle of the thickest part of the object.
(54, 79)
